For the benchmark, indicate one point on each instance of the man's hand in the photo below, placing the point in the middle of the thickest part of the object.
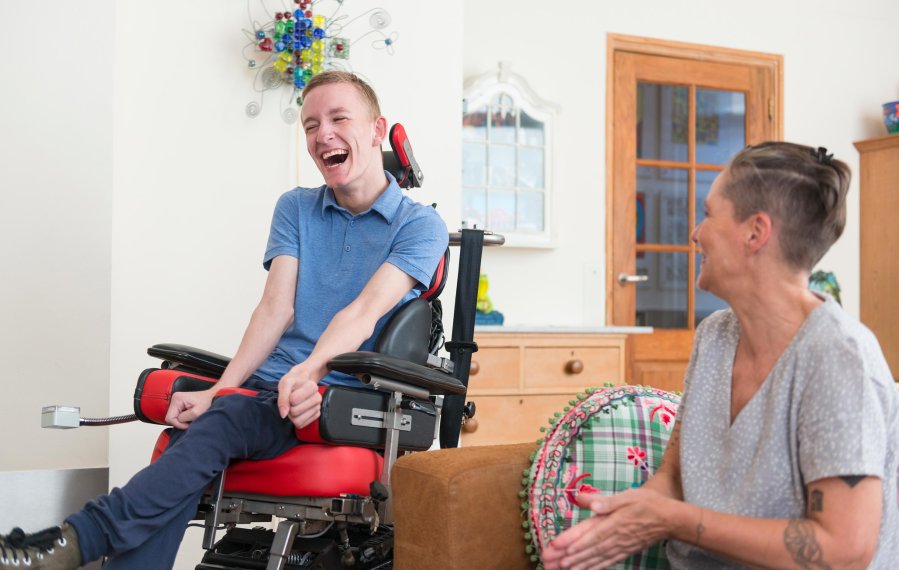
(622, 525)
(185, 407)
(298, 397)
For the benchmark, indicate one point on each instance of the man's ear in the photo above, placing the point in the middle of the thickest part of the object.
(761, 229)
(380, 132)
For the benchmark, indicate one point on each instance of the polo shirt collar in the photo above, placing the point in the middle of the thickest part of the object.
(387, 203)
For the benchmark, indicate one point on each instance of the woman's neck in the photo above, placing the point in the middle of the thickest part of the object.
(770, 314)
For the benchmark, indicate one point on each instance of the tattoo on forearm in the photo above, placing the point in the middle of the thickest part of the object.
(815, 501)
(799, 539)
(852, 480)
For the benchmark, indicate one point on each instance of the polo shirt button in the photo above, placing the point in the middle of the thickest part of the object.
(352, 222)
(347, 248)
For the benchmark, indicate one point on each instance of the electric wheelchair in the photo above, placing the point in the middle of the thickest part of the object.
(332, 494)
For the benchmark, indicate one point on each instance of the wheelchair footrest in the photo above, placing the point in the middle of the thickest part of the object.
(249, 549)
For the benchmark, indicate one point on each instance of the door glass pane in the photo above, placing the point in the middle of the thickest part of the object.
(704, 180)
(502, 165)
(662, 121)
(530, 211)
(474, 125)
(530, 167)
(662, 299)
(501, 210)
(706, 303)
(531, 131)
(502, 119)
(474, 164)
(474, 207)
(662, 205)
(720, 125)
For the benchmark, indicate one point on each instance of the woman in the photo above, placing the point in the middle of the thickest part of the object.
(785, 450)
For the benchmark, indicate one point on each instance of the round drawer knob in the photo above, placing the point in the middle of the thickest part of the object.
(474, 368)
(470, 425)
(574, 367)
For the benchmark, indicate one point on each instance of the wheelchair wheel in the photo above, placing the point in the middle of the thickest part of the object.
(249, 549)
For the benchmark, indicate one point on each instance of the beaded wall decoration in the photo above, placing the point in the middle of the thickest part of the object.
(287, 47)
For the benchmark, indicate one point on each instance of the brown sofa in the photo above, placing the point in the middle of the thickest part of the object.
(460, 509)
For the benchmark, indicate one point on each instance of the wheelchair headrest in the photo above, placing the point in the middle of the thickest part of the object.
(400, 162)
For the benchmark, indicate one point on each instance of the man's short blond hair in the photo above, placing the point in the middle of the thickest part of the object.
(364, 89)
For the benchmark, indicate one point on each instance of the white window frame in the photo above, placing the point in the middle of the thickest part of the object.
(479, 92)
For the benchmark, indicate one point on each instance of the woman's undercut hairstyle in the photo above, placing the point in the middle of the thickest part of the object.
(801, 188)
(364, 89)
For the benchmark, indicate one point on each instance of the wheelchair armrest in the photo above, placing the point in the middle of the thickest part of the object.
(393, 368)
(196, 359)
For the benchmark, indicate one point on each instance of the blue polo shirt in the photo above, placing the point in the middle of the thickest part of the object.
(338, 253)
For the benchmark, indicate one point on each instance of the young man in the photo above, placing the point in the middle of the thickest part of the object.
(341, 258)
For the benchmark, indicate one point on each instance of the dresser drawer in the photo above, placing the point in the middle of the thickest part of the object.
(495, 369)
(571, 369)
(511, 419)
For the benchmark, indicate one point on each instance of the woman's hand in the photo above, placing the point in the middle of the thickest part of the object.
(298, 396)
(620, 526)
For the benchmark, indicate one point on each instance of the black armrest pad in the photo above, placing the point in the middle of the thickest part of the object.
(195, 358)
(393, 368)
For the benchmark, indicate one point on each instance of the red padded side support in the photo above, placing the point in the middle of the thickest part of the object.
(439, 278)
(156, 392)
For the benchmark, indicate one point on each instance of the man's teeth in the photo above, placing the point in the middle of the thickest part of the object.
(330, 153)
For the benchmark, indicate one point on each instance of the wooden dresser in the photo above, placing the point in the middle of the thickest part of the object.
(519, 379)
(878, 233)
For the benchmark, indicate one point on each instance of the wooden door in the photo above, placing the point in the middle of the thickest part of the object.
(678, 113)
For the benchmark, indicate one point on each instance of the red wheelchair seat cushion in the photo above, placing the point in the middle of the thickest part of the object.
(307, 470)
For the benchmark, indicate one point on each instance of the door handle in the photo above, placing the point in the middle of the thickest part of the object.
(624, 278)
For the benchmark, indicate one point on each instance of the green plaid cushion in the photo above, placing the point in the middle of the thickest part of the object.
(610, 440)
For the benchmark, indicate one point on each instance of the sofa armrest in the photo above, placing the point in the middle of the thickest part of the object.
(460, 509)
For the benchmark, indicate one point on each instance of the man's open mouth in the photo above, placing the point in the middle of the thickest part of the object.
(335, 157)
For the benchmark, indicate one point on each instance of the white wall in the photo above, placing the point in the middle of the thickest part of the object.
(56, 113)
(837, 74)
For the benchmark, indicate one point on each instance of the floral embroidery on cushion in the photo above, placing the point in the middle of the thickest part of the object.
(638, 457)
(665, 410)
(572, 489)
